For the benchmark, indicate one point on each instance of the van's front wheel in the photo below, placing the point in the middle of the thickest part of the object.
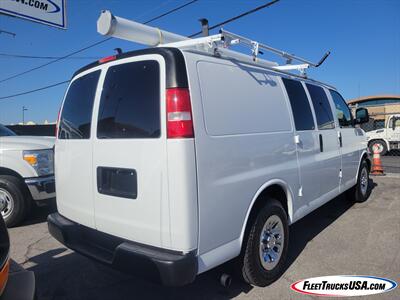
(265, 250)
(14, 203)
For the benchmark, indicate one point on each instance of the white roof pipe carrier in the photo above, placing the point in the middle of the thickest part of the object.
(132, 31)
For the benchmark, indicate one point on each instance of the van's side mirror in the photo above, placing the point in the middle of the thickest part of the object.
(362, 116)
(393, 121)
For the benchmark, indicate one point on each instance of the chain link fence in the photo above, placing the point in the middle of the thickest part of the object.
(384, 128)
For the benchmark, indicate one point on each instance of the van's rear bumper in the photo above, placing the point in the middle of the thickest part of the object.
(171, 268)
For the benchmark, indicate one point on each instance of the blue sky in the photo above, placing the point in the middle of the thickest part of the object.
(364, 37)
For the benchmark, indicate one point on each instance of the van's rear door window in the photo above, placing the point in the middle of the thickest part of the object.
(76, 116)
(130, 102)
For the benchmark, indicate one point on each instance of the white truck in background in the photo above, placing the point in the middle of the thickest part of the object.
(388, 138)
(26, 174)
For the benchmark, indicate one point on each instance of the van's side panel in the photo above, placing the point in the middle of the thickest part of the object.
(182, 191)
(243, 139)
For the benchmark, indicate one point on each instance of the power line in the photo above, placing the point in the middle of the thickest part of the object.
(9, 55)
(212, 27)
(91, 57)
(238, 16)
(35, 90)
(92, 45)
(75, 52)
(56, 60)
(171, 11)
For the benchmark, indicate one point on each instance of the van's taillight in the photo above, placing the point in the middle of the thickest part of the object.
(179, 114)
(106, 59)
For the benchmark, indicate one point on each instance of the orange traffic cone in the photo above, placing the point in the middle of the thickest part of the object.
(377, 168)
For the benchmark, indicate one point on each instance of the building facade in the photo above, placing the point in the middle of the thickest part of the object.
(380, 108)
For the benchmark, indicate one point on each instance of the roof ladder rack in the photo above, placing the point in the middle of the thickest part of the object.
(118, 27)
(230, 38)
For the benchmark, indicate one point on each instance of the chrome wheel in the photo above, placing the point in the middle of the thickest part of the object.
(6, 203)
(271, 242)
(364, 181)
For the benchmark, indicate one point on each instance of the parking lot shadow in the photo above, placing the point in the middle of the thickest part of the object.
(311, 225)
(39, 214)
(62, 274)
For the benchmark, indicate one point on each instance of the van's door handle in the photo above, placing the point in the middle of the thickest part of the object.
(321, 143)
(340, 139)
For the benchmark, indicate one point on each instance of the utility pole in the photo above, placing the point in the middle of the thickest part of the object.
(23, 114)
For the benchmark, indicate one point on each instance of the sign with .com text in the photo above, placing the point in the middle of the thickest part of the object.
(49, 12)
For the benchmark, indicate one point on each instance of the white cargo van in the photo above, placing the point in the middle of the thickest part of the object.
(172, 160)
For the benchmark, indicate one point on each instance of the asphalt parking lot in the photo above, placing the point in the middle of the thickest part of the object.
(391, 162)
(338, 238)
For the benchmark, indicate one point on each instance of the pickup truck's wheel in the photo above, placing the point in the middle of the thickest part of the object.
(264, 253)
(14, 203)
(382, 145)
(360, 192)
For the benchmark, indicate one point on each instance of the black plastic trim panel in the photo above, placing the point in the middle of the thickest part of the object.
(176, 75)
(118, 182)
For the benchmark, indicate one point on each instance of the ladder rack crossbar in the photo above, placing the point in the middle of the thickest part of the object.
(229, 37)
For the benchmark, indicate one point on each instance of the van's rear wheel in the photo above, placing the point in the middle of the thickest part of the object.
(14, 203)
(264, 253)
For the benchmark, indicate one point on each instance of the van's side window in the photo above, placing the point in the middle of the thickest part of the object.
(76, 116)
(301, 109)
(342, 110)
(130, 102)
(322, 108)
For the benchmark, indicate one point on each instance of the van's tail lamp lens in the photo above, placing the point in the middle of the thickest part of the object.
(106, 59)
(179, 114)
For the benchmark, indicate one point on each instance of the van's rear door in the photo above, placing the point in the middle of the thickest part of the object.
(73, 150)
(129, 150)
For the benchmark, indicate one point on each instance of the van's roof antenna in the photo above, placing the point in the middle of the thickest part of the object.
(117, 27)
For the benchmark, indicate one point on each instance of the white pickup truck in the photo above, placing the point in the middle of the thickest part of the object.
(388, 138)
(26, 174)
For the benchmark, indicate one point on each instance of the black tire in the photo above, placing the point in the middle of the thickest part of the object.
(18, 195)
(356, 193)
(380, 142)
(249, 262)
